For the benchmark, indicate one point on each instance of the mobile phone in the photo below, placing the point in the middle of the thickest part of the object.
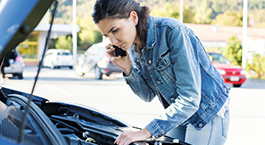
(118, 51)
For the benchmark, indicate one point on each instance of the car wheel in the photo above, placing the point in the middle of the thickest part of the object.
(98, 73)
(71, 67)
(237, 85)
(20, 76)
(52, 66)
(108, 75)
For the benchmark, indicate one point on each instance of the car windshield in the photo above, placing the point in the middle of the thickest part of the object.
(64, 53)
(218, 58)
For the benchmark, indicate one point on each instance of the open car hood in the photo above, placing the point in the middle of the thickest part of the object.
(18, 19)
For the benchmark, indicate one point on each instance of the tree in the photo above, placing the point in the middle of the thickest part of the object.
(188, 15)
(88, 31)
(257, 18)
(229, 19)
(64, 42)
(172, 10)
(202, 12)
(233, 50)
(257, 64)
(166, 10)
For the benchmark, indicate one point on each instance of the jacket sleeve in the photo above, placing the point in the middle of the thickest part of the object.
(188, 81)
(139, 86)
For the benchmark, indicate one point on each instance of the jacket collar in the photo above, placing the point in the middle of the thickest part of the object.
(151, 33)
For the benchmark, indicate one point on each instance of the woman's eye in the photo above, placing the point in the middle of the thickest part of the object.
(106, 36)
(115, 31)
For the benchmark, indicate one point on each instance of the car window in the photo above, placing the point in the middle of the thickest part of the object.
(49, 53)
(63, 53)
(218, 58)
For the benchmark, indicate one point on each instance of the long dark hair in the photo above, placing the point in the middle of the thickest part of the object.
(109, 9)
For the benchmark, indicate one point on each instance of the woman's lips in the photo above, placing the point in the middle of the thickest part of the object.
(120, 46)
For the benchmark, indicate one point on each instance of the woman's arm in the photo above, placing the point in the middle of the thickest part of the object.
(132, 75)
(188, 82)
(139, 85)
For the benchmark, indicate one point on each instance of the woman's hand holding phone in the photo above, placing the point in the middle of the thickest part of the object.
(119, 52)
(120, 58)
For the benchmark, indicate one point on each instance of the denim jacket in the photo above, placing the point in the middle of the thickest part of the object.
(175, 66)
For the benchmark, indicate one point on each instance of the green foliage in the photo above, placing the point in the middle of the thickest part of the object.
(188, 15)
(167, 10)
(203, 12)
(64, 42)
(220, 6)
(172, 10)
(88, 31)
(221, 12)
(233, 18)
(257, 64)
(213, 49)
(257, 18)
(233, 51)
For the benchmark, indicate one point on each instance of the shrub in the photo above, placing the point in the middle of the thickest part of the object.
(257, 64)
(233, 51)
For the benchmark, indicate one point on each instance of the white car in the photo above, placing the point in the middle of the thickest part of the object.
(56, 58)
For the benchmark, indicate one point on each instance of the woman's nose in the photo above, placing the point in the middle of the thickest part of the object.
(113, 40)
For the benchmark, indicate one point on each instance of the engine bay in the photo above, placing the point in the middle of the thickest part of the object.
(56, 122)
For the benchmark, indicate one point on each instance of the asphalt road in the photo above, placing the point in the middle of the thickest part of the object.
(111, 95)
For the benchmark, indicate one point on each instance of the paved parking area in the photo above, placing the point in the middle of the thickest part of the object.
(113, 96)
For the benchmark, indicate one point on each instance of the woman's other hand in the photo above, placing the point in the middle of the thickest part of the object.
(126, 138)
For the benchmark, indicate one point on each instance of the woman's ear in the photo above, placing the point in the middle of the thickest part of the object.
(134, 17)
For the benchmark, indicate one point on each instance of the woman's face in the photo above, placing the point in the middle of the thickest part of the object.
(121, 32)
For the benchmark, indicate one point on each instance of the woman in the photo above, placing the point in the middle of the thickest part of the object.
(169, 62)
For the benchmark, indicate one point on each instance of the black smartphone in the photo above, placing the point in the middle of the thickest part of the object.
(118, 51)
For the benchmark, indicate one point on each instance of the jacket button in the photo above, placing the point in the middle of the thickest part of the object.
(158, 82)
(150, 61)
(172, 99)
(200, 125)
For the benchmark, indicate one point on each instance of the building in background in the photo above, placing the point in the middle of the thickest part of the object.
(31, 49)
(216, 36)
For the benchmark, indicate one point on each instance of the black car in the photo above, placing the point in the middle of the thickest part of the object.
(31, 120)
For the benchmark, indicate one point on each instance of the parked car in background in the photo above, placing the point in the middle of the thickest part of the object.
(56, 58)
(16, 66)
(232, 74)
(95, 58)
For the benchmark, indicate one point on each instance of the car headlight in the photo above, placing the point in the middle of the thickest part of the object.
(242, 72)
(221, 71)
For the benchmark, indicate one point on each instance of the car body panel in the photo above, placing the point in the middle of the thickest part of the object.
(231, 74)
